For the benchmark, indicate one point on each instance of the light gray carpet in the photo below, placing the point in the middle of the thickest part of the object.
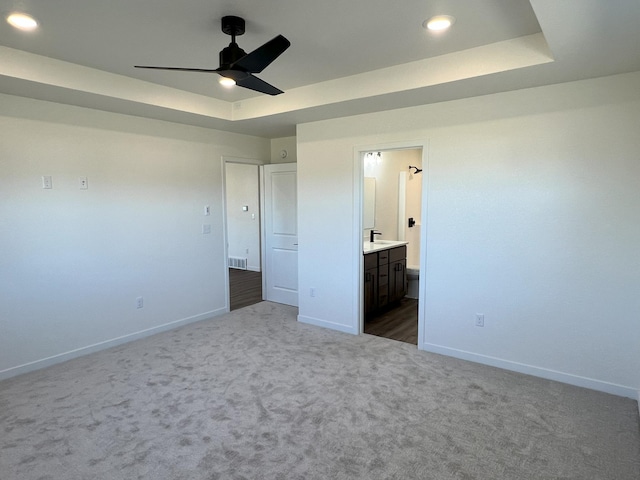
(256, 395)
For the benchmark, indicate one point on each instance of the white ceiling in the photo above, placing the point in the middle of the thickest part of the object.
(346, 57)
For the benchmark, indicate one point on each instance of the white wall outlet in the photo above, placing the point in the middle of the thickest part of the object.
(245, 208)
(312, 292)
(84, 183)
(206, 229)
(479, 319)
(139, 302)
(46, 182)
(207, 210)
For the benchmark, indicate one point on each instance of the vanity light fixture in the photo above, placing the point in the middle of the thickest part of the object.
(373, 158)
(439, 23)
(22, 21)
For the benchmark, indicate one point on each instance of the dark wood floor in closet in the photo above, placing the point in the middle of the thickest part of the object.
(400, 323)
(245, 288)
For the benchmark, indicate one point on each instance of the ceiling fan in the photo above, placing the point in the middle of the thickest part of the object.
(236, 66)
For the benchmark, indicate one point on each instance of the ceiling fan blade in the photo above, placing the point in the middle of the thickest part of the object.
(254, 83)
(261, 57)
(180, 69)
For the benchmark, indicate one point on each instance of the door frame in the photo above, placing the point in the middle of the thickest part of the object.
(359, 152)
(247, 161)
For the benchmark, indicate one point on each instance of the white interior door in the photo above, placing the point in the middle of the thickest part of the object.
(281, 233)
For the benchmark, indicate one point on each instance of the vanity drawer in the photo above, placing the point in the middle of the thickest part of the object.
(383, 257)
(398, 253)
(370, 261)
(383, 275)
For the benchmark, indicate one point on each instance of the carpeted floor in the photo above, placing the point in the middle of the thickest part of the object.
(255, 395)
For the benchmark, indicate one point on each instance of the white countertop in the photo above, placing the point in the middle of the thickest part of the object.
(368, 247)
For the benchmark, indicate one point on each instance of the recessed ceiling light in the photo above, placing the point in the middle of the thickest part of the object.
(227, 82)
(439, 23)
(22, 21)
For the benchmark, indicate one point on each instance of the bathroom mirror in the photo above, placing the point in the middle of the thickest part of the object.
(369, 200)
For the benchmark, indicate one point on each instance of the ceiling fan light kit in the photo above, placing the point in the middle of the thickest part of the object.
(238, 67)
(226, 82)
(22, 21)
(439, 23)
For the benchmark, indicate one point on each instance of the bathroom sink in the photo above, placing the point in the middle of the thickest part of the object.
(370, 247)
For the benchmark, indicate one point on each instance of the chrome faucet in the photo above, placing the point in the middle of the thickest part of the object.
(371, 237)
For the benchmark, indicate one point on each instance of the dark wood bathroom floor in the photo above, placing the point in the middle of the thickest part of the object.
(245, 288)
(400, 323)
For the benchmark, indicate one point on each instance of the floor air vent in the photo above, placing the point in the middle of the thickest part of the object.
(237, 262)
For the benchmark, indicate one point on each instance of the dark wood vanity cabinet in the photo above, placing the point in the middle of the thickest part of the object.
(370, 283)
(397, 273)
(385, 279)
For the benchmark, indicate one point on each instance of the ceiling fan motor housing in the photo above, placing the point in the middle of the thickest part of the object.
(230, 54)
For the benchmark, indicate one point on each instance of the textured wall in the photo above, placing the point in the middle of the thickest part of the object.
(73, 262)
(531, 211)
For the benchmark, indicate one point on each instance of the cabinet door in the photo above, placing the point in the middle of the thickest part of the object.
(398, 253)
(397, 280)
(370, 291)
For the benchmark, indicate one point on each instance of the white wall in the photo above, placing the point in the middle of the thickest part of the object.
(532, 208)
(243, 227)
(288, 144)
(72, 262)
(413, 210)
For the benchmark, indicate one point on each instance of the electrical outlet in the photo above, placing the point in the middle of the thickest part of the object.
(139, 302)
(479, 319)
(84, 183)
(46, 182)
(206, 229)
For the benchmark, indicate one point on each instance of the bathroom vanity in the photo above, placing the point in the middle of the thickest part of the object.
(385, 277)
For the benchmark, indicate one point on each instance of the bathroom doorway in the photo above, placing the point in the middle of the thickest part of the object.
(392, 190)
(242, 217)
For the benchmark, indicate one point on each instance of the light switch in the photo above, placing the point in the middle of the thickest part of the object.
(207, 210)
(245, 208)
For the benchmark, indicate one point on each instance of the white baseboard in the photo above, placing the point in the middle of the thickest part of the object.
(78, 352)
(325, 324)
(612, 388)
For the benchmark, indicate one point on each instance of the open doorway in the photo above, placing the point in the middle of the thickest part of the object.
(391, 233)
(242, 204)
